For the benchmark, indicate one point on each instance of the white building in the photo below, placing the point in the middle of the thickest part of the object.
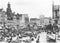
(19, 20)
(40, 22)
(34, 21)
(56, 11)
(24, 19)
(46, 20)
(41, 19)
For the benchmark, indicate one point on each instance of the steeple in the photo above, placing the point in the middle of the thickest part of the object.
(8, 4)
(9, 7)
(9, 11)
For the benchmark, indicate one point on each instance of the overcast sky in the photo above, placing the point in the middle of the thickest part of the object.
(34, 8)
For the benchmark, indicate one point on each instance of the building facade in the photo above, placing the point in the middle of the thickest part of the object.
(3, 16)
(34, 21)
(47, 20)
(24, 20)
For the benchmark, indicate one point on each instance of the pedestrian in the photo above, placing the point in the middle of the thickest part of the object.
(33, 40)
(10, 39)
(37, 41)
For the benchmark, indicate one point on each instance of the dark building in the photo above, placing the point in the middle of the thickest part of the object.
(9, 12)
(26, 20)
(17, 16)
(55, 11)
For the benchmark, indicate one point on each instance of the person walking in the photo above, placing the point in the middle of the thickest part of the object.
(37, 41)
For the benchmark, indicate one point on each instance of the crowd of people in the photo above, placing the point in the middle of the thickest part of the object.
(10, 34)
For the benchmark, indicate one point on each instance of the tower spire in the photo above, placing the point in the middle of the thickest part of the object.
(9, 4)
(9, 11)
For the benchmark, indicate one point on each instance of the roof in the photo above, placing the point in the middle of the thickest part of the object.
(34, 19)
(47, 18)
(1, 9)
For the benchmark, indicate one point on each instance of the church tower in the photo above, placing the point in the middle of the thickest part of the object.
(9, 12)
